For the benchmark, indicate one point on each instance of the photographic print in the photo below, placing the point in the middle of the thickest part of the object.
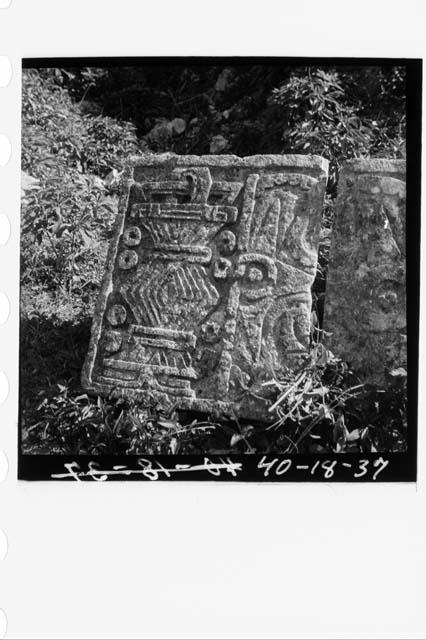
(219, 269)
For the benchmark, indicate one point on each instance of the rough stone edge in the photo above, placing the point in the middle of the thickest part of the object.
(374, 165)
(384, 167)
(106, 286)
(260, 161)
(215, 408)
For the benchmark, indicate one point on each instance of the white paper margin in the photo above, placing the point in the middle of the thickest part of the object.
(203, 560)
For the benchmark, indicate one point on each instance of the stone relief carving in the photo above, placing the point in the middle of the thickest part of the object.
(365, 308)
(208, 279)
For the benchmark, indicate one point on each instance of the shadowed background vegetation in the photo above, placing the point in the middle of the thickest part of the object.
(79, 125)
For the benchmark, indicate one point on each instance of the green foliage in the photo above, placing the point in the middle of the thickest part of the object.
(322, 114)
(58, 131)
(345, 110)
(322, 408)
(317, 118)
(67, 208)
(65, 226)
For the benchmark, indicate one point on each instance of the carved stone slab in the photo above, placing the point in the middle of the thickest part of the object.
(365, 306)
(207, 285)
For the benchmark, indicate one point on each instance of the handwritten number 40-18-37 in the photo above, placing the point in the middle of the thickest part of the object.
(326, 468)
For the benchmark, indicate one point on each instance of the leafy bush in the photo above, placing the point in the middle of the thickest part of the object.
(67, 208)
(253, 107)
(319, 117)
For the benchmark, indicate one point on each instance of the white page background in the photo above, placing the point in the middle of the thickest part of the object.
(202, 560)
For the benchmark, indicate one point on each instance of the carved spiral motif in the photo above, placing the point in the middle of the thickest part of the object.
(127, 259)
(222, 269)
(132, 236)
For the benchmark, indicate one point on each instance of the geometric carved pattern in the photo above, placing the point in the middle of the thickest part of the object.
(207, 286)
(172, 296)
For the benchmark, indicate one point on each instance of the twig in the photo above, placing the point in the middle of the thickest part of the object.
(286, 393)
(318, 418)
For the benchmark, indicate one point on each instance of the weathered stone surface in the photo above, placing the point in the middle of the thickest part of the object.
(207, 285)
(365, 306)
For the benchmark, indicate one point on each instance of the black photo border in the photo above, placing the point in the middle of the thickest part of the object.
(346, 467)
